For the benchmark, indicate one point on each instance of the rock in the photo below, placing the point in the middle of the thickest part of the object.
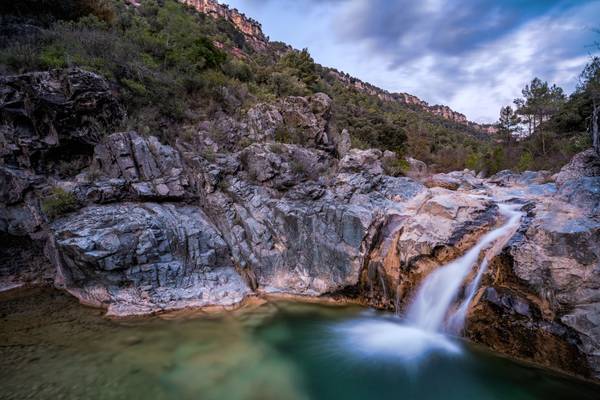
(584, 164)
(432, 228)
(343, 143)
(368, 161)
(443, 181)
(551, 268)
(583, 192)
(63, 111)
(455, 180)
(301, 120)
(282, 165)
(150, 169)
(559, 259)
(417, 168)
(526, 178)
(146, 257)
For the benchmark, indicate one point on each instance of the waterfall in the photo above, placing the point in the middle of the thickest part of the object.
(430, 307)
(429, 316)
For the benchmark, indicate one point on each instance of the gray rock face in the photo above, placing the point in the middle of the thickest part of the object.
(136, 258)
(584, 164)
(282, 166)
(300, 120)
(49, 110)
(47, 120)
(150, 169)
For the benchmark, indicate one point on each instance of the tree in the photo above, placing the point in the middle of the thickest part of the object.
(509, 122)
(302, 64)
(539, 103)
(590, 83)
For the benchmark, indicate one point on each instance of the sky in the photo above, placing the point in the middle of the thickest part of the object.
(472, 55)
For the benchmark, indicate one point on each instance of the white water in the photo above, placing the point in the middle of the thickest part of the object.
(440, 289)
(429, 315)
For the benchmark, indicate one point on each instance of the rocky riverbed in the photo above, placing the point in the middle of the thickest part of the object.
(132, 225)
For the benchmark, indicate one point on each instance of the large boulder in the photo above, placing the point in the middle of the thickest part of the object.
(140, 258)
(369, 161)
(584, 164)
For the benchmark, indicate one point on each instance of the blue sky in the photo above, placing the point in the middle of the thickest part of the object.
(473, 55)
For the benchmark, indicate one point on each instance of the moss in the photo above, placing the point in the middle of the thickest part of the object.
(60, 202)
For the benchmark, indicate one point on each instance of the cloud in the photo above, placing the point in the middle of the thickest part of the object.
(473, 55)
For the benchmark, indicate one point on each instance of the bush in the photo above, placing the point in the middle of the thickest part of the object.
(59, 9)
(396, 166)
(525, 162)
(59, 202)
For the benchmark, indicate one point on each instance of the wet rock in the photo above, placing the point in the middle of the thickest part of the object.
(509, 178)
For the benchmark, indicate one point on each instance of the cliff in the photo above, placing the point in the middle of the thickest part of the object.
(251, 29)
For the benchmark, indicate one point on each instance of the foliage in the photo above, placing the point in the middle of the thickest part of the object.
(59, 202)
(395, 166)
(49, 10)
(175, 67)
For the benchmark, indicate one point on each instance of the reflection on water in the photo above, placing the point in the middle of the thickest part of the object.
(52, 348)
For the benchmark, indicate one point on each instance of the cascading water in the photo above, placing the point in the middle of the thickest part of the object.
(429, 315)
(436, 295)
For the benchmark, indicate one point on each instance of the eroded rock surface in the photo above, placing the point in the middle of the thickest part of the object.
(145, 257)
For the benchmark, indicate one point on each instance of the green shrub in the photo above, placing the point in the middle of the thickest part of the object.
(395, 166)
(59, 202)
(53, 57)
(277, 148)
(525, 162)
(208, 154)
(297, 167)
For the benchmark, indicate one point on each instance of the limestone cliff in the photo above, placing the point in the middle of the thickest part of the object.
(251, 29)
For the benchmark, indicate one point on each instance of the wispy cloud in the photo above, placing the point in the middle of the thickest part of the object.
(473, 55)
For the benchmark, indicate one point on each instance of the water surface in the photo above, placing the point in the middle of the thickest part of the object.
(53, 348)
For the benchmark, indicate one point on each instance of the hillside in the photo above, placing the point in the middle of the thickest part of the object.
(177, 66)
